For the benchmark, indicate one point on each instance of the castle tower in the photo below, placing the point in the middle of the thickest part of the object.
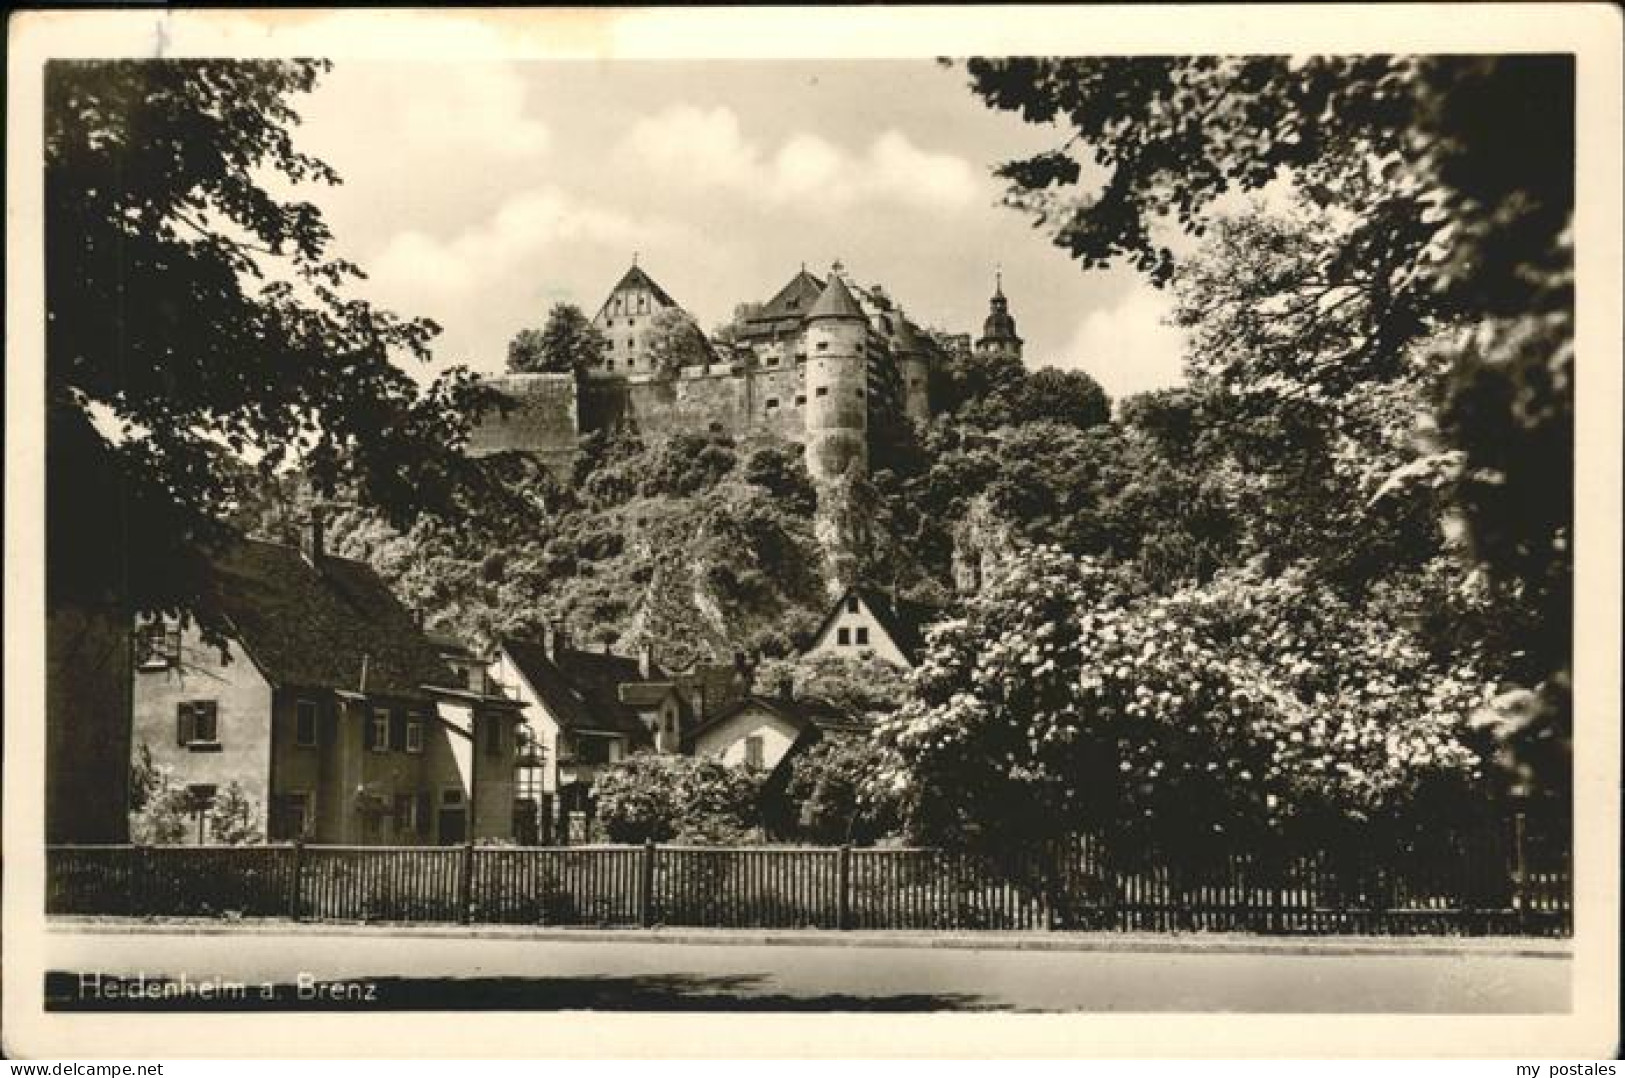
(624, 317)
(913, 368)
(999, 338)
(837, 376)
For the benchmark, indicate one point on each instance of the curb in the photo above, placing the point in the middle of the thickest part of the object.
(1104, 943)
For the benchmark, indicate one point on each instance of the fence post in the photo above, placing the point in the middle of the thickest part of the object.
(843, 887)
(296, 891)
(1520, 868)
(646, 884)
(465, 884)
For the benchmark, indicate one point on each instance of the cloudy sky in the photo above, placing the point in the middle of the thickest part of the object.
(480, 193)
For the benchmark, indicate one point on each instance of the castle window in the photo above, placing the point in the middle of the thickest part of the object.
(822, 391)
(610, 364)
(821, 345)
(772, 404)
(801, 398)
(772, 361)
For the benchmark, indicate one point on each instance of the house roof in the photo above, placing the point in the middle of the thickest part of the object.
(836, 302)
(582, 689)
(901, 619)
(808, 714)
(317, 626)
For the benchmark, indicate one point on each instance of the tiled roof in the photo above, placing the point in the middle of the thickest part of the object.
(582, 688)
(903, 620)
(786, 310)
(318, 627)
(836, 302)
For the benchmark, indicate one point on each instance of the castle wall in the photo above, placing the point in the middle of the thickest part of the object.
(544, 420)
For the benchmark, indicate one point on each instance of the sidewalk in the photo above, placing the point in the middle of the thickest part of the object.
(1104, 942)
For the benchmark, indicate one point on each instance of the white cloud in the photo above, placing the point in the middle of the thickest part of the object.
(706, 148)
(482, 282)
(1129, 347)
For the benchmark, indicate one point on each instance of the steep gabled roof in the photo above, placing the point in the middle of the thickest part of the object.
(316, 626)
(901, 619)
(836, 301)
(582, 689)
(636, 278)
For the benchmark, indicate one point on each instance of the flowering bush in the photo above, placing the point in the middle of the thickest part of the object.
(692, 799)
(1248, 705)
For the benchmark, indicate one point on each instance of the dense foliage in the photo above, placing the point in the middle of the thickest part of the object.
(684, 799)
(199, 333)
(832, 787)
(1439, 253)
(567, 343)
(1245, 707)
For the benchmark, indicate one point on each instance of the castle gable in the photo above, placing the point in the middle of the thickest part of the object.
(624, 320)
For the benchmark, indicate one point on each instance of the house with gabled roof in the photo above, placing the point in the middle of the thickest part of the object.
(866, 623)
(302, 679)
(764, 732)
(588, 710)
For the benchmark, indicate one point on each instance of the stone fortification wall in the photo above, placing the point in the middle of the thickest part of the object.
(544, 420)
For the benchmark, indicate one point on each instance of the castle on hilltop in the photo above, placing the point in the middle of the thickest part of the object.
(823, 363)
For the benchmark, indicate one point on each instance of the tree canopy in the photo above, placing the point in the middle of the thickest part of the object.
(199, 332)
(567, 343)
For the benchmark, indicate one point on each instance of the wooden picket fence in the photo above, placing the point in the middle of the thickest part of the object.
(1074, 888)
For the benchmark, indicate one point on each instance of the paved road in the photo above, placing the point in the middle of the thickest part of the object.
(436, 972)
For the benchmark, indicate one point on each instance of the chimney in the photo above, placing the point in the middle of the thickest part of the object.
(554, 640)
(646, 660)
(310, 538)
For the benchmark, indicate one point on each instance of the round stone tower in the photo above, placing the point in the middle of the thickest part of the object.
(837, 384)
(913, 367)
